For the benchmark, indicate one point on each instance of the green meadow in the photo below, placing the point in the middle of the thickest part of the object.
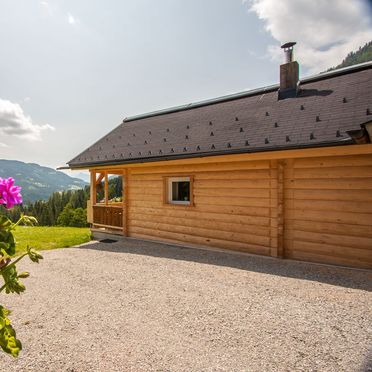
(50, 237)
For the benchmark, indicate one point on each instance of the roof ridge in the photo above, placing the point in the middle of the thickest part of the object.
(247, 93)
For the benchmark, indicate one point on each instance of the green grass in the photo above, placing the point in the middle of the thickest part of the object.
(45, 237)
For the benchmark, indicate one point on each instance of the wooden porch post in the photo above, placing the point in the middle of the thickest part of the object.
(125, 202)
(106, 188)
(92, 199)
(93, 187)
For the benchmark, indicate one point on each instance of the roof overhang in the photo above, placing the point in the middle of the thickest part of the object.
(343, 142)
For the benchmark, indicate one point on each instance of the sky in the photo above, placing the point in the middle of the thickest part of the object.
(70, 71)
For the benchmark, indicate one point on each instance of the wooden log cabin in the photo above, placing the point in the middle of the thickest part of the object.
(282, 171)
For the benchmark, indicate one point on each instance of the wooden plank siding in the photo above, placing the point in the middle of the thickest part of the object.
(315, 208)
(328, 210)
(232, 206)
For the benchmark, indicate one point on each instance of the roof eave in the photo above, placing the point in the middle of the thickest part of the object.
(346, 141)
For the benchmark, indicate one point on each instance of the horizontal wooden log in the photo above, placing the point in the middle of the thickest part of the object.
(334, 161)
(232, 200)
(313, 257)
(249, 193)
(108, 227)
(216, 192)
(333, 172)
(233, 209)
(202, 232)
(196, 214)
(145, 191)
(224, 209)
(332, 250)
(358, 242)
(227, 226)
(341, 195)
(184, 238)
(146, 184)
(331, 184)
(334, 205)
(235, 184)
(211, 174)
(147, 198)
(329, 216)
(260, 174)
(349, 230)
(195, 168)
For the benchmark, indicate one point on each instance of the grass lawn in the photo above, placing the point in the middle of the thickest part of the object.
(45, 237)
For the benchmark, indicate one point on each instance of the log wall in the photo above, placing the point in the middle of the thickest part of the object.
(328, 210)
(314, 209)
(234, 206)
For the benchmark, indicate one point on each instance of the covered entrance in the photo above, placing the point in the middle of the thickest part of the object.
(107, 204)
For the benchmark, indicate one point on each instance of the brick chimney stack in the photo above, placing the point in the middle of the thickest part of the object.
(289, 73)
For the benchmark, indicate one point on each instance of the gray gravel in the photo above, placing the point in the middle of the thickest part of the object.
(140, 306)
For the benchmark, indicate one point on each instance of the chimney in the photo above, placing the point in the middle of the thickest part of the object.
(289, 73)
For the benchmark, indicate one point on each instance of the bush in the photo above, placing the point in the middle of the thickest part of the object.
(79, 218)
(72, 217)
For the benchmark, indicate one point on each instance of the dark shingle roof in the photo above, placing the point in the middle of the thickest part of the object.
(326, 107)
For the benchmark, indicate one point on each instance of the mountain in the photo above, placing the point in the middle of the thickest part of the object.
(363, 54)
(83, 176)
(38, 182)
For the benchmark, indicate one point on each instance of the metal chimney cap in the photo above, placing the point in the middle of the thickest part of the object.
(290, 44)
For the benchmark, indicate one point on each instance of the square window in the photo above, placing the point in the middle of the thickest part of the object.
(179, 190)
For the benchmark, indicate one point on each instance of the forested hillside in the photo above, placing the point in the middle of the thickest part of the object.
(48, 212)
(363, 54)
(38, 182)
(65, 208)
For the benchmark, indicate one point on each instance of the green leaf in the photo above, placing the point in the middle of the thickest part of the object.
(29, 220)
(11, 282)
(24, 275)
(8, 339)
(34, 255)
(7, 238)
(5, 222)
(4, 246)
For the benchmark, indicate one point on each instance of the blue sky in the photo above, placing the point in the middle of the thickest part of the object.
(72, 70)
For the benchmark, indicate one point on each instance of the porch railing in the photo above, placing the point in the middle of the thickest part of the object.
(108, 216)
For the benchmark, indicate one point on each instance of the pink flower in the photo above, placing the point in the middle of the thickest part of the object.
(9, 194)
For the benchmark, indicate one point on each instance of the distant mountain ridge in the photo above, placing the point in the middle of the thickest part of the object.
(38, 182)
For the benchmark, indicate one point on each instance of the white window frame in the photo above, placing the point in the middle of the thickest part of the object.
(170, 200)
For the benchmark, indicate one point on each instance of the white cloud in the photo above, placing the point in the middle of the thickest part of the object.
(325, 30)
(14, 122)
(3, 145)
(27, 99)
(47, 7)
(71, 19)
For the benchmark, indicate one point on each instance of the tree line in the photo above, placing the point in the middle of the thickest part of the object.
(65, 208)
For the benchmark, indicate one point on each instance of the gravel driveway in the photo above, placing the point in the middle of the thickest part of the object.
(140, 306)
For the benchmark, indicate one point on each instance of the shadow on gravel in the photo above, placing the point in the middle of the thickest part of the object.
(368, 363)
(343, 277)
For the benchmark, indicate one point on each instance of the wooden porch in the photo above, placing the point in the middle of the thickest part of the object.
(106, 208)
